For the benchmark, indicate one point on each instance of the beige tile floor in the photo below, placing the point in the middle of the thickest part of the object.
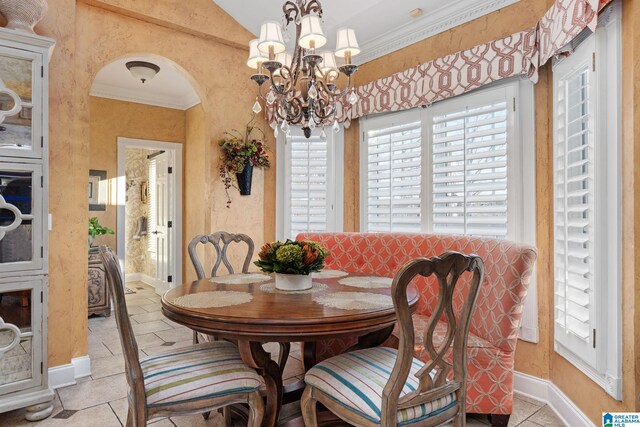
(100, 400)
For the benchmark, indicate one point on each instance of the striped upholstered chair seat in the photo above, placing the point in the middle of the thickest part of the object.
(197, 372)
(355, 380)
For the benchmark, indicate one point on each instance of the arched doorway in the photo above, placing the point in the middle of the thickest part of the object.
(140, 123)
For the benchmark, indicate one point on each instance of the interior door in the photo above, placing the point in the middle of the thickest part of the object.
(163, 230)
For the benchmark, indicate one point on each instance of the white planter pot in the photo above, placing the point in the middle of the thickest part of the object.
(23, 15)
(293, 282)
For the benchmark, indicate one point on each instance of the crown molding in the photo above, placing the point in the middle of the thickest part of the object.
(453, 15)
(114, 92)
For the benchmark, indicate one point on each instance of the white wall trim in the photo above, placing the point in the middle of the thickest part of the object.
(140, 277)
(147, 280)
(81, 366)
(547, 392)
(66, 375)
(432, 23)
(101, 90)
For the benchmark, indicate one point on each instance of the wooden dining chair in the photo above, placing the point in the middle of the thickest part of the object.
(189, 380)
(387, 387)
(221, 241)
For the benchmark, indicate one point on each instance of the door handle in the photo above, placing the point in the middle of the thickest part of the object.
(156, 232)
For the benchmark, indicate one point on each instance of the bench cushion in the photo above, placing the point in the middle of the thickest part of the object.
(496, 317)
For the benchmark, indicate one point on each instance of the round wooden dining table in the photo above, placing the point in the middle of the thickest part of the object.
(269, 315)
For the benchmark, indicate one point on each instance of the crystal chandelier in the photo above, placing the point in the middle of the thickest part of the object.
(303, 86)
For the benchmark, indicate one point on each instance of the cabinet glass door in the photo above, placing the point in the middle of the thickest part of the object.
(20, 217)
(20, 100)
(20, 335)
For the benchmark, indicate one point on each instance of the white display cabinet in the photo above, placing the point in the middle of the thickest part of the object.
(23, 217)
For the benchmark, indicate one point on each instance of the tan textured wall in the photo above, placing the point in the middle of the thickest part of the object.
(88, 38)
(196, 19)
(110, 119)
(197, 151)
(631, 182)
(538, 359)
(68, 169)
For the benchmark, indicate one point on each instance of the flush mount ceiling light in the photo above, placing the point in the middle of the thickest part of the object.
(142, 70)
(303, 87)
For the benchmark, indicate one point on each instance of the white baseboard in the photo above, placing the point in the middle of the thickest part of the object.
(549, 393)
(139, 277)
(65, 375)
(81, 366)
(132, 277)
(148, 280)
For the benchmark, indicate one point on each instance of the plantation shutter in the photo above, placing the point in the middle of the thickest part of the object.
(152, 242)
(393, 175)
(308, 184)
(469, 166)
(574, 197)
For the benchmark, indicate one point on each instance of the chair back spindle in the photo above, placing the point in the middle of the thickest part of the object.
(221, 241)
(133, 370)
(435, 379)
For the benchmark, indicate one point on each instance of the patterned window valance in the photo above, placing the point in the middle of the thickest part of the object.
(520, 54)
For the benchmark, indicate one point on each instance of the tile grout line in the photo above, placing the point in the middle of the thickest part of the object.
(532, 415)
(114, 413)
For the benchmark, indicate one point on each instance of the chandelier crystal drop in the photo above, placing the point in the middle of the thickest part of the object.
(353, 98)
(303, 86)
(271, 97)
(257, 107)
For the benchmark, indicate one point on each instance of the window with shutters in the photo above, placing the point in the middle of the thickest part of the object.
(309, 183)
(453, 168)
(462, 166)
(586, 217)
(471, 142)
(394, 174)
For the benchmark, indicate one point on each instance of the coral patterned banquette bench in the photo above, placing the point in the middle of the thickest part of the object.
(496, 318)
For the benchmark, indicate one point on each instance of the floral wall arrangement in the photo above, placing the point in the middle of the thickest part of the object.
(241, 152)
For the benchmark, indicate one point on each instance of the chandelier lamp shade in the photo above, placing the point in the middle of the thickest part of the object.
(301, 87)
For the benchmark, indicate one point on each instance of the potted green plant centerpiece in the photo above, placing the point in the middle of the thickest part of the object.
(96, 229)
(241, 152)
(292, 262)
